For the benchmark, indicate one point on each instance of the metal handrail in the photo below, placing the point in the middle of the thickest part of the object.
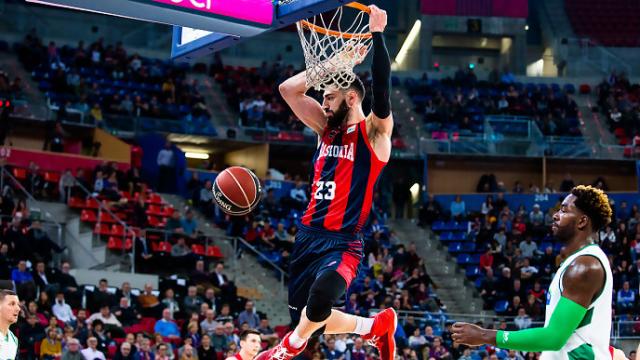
(67, 233)
(282, 273)
(102, 207)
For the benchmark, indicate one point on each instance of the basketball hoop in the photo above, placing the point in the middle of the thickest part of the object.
(332, 50)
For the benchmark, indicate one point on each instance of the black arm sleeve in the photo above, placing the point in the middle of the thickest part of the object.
(381, 77)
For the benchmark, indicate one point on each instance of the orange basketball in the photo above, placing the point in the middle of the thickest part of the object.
(237, 190)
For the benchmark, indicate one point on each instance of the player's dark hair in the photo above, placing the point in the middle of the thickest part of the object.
(594, 203)
(357, 86)
(245, 333)
(6, 292)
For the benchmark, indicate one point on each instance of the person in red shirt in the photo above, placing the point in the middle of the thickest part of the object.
(538, 291)
(253, 233)
(486, 260)
(268, 236)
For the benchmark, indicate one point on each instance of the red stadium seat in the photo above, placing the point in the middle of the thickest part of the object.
(214, 252)
(102, 229)
(105, 217)
(167, 211)
(20, 173)
(92, 203)
(114, 243)
(88, 216)
(117, 230)
(154, 210)
(128, 244)
(198, 249)
(153, 221)
(164, 247)
(76, 203)
(52, 177)
(155, 199)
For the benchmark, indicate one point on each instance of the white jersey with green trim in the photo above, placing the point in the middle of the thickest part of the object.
(8, 346)
(591, 339)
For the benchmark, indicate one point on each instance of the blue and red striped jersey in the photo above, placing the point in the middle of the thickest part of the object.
(345, 170)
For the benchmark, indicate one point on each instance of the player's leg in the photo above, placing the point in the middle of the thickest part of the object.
(318, 317)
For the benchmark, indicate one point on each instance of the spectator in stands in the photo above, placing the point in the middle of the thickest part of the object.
(199, 276)
(125, 352)
(457, 208)
(266, 332)
(219, 340)
(486, 260)
(169, 302)
(91, 352)
(161, 351)
(101, 297)
(358, 352)
(192, 301)
(625, 301)
(225, 314)
(143, 254)
(181, 253)
(149, 302)
(206, 202)
(220, 280)
(522, 321)
(72, 351)
(528, 247)
(23, 280)
(567, 183)
(65, 185)
(189, 224)
(144, 352)
(249, 316)
(44, 280)
(209, 324)
(267, 237)
(429, 211)
(210, 298)
(62, 310)
(488, 289)
(30, 333)
(166, 163)
(166, 326)
(126, 314)
(298, 196)
(105, 316)
(51, 347)
(330, 352)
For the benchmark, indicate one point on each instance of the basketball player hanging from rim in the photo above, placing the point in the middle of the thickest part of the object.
(352, 151)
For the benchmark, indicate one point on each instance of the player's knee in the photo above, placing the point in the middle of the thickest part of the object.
(324, 292)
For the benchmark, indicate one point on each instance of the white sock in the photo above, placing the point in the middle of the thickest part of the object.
(363, 325)
(295, 340)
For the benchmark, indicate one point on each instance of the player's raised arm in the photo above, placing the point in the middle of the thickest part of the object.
(381, 118)
(306, 108)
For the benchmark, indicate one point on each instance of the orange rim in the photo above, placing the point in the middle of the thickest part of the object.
(329, 32)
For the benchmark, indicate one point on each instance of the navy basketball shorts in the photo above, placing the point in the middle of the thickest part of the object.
(315, 252)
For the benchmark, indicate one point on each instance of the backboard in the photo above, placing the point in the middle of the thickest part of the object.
(201, 27)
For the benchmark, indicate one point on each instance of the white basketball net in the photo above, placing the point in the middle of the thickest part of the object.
(330, 58)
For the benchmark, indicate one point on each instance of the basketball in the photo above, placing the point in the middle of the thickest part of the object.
(236, 190)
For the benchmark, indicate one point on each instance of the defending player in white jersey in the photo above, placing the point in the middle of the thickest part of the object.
(9, 312)
(578, 313)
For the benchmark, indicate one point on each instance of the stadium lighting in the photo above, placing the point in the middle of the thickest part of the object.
(408, 42)
(526, 27)
(196, 155)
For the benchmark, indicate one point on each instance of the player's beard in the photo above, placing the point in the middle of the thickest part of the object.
(338, 117)
(565, 233)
